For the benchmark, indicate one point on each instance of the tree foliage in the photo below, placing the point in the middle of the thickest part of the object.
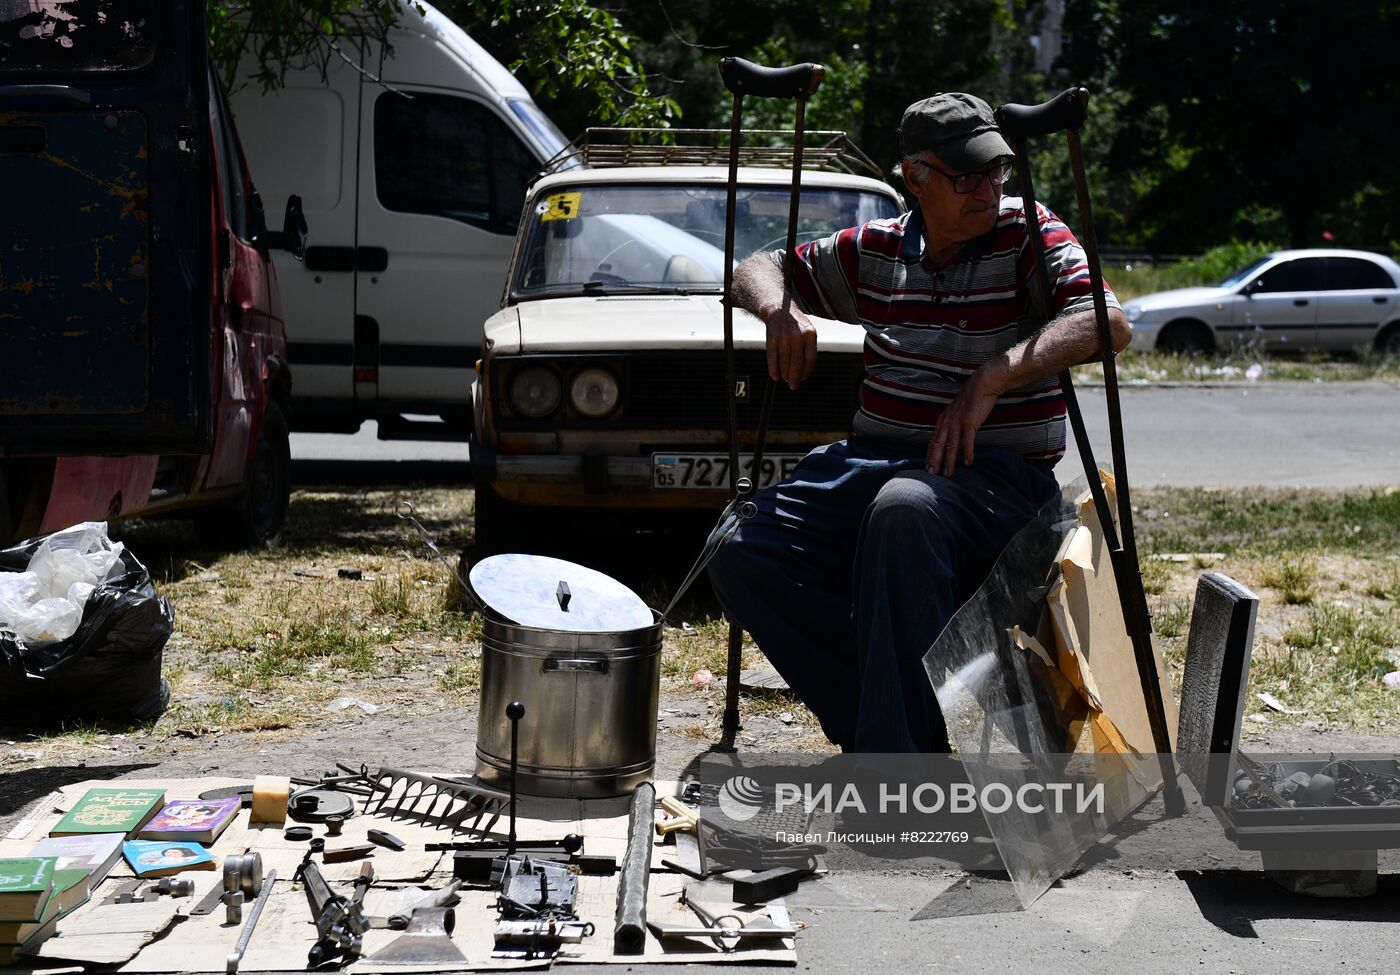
(1248, 118)
(562, 48)
(285, 35)
(573, 47)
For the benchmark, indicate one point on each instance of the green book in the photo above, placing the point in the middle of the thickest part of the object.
(110, 811)
(25, 885)
(70, 890)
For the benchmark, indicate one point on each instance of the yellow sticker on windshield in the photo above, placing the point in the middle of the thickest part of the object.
(560, 206)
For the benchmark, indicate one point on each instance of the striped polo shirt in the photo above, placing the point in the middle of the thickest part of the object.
(928, 328)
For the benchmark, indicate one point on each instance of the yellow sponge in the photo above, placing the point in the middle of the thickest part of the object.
(270, 794)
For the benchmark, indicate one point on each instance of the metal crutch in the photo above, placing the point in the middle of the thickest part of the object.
(1066, 112)
(798, 82)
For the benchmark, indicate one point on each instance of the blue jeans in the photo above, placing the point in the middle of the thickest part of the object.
(851, 569)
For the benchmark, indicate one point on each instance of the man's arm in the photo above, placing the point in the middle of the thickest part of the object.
(1066, 341)
(792, 338)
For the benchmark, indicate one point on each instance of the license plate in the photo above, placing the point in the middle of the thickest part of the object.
(711, 471)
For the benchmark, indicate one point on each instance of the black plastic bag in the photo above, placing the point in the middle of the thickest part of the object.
(109, 669)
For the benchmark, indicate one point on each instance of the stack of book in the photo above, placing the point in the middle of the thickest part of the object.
(34, 894)
(61, 871)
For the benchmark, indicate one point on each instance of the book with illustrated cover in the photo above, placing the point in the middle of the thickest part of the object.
(70, 891)
(160, 858)
(96, 853)
(110, 811)
(194, 820)
(25, 885)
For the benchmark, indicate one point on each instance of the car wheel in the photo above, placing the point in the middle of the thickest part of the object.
(1388, 342)
(259, 516)
(1185, 338)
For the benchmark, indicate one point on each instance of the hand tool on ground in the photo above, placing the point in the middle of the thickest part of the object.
(426, 942)
(397, 907)
(236, 956)
(687, 859)
(726, 931)
(629, 925)
(233, 906)
(125, 890)
(343, 854)
(679, 816)
(478, 866)
(1066, 112)
(340, 921)
(334, 824)
(798, 82)
(457, 806)
(573, 843)
(540, 894)
(760, 888)
(387, 840)
(298, 834)
(242, 872)
(539, 937)
(131, 893)
(532, 888)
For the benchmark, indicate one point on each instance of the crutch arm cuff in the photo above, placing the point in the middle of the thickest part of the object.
(1067, 110)
(746, 78)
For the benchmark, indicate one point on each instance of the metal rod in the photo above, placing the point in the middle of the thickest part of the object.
(1127, 570)
(730, 377)
(514, 711)
(1044, 297)
(236, 956)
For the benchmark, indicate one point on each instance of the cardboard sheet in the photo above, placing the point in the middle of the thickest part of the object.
(285, 932)
(1093, 649)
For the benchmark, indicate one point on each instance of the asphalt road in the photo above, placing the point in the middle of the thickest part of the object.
(1315, 435)
(1266, 434)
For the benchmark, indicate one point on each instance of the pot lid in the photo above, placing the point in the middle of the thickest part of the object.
(551, 594)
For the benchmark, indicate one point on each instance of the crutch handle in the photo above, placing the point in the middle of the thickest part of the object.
(746, 78)
(1066, 110)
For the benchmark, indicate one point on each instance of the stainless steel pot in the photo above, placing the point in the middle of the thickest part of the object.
(590, 695)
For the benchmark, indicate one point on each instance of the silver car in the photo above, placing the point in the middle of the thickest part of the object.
(1304, 299)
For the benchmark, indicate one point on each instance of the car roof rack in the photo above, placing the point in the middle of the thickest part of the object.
(611, 147)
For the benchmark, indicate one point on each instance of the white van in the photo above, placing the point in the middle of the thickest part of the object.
(412, 189)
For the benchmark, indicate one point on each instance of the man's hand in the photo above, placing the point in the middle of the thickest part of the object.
(792, 345)
(957, 427)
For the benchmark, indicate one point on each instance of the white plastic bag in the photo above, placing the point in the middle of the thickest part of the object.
(46, 602)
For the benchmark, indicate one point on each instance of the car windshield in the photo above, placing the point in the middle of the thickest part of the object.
(1239, 276)
(667, 236)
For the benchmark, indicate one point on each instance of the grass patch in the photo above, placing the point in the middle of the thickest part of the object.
(1172, 619)
(1243, 366)
(1268, 523)
(1295, 580)
(1387, 586)
(463, 676)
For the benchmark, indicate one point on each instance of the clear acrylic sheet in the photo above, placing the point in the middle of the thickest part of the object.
(1016, 718)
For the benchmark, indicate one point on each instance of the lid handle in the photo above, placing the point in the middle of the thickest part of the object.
(563, 595)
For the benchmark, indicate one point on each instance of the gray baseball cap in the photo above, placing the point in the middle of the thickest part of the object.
(959, 128)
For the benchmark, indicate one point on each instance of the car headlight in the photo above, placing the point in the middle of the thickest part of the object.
(1133, 311)
(535, 392)
(593, 392)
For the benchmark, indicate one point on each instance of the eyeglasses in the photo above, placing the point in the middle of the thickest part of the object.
(965, 183)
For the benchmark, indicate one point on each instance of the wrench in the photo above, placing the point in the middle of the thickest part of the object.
(236, 955)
